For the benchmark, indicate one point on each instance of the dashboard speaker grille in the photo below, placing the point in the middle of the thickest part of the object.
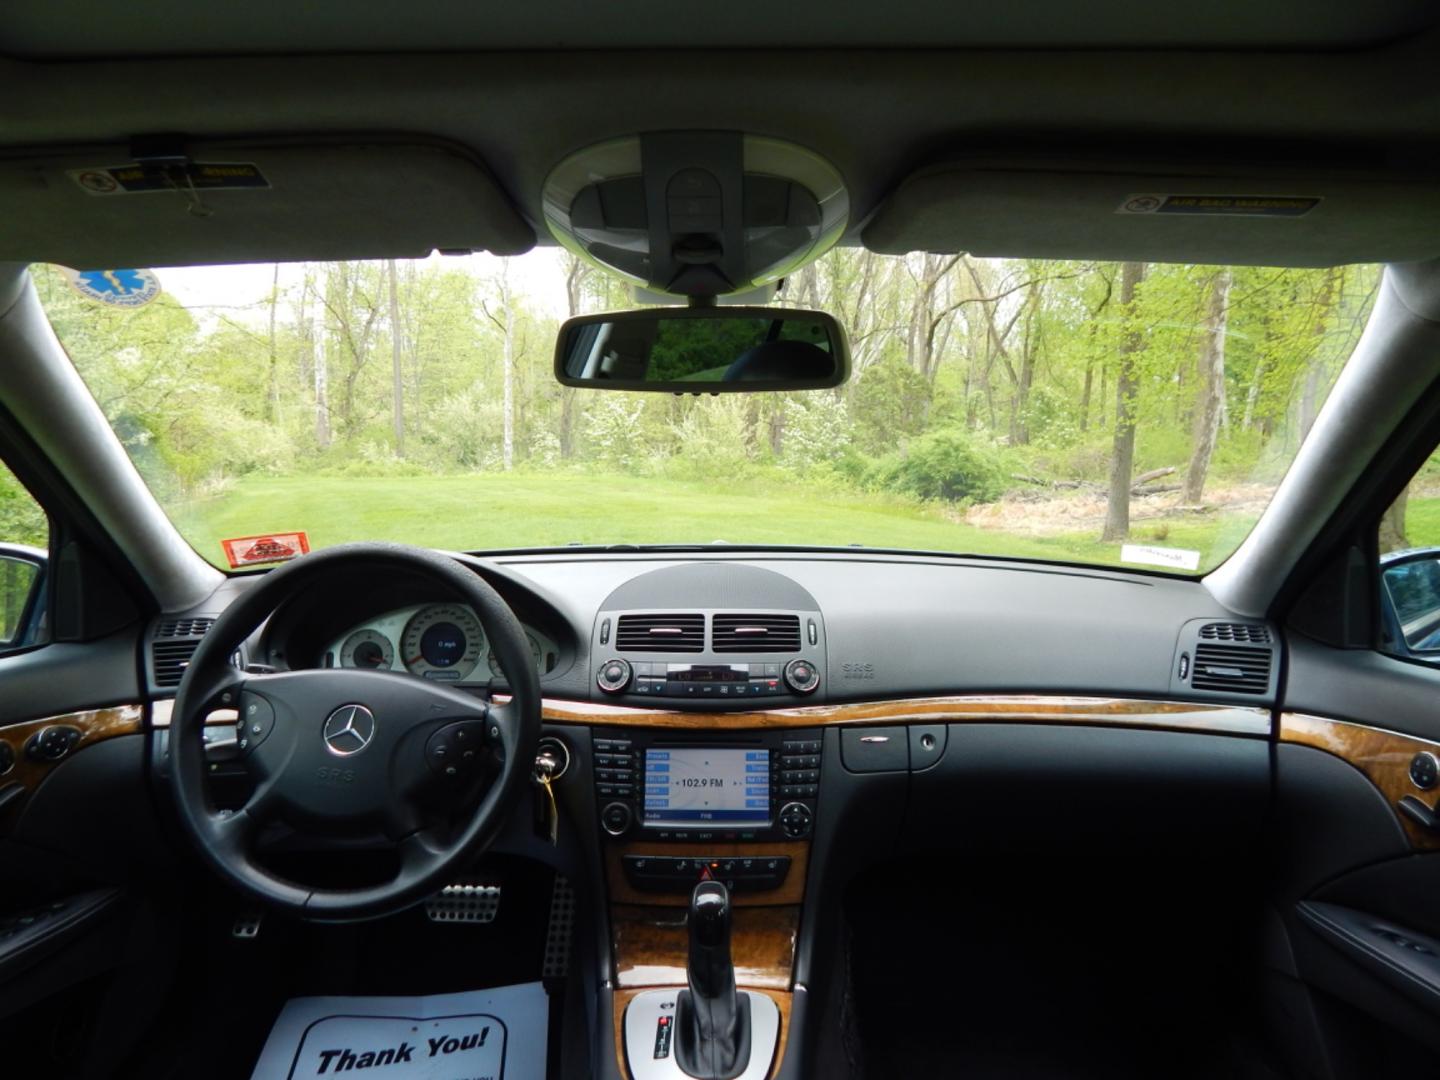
(1256, 633)
(667, 633)
(755, 634)
(1235, 669)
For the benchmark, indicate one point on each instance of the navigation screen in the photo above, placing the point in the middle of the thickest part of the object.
(697, 787)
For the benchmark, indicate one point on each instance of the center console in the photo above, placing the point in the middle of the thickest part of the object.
(702, 797)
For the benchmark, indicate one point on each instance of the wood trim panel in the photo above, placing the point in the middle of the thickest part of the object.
(650, 945)
(792, 892)
(1036, 709)
(94, 725)
(782, 1001)
(1383, 756)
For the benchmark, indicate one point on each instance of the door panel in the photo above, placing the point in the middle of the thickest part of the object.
(1357, 878)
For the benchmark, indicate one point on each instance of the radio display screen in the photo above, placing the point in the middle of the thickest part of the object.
(692, 787)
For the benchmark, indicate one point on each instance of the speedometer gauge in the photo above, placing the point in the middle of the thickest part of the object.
(534, 655)
(367, 649)
(443, 642)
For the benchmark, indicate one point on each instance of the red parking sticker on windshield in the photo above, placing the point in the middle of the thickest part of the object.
(265, 548)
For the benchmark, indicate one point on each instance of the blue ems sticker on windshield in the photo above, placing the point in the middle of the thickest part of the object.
(116, 288)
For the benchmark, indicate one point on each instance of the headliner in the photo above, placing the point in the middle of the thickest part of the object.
(69, 28)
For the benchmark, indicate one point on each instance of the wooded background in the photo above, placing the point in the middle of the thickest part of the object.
(977, 382)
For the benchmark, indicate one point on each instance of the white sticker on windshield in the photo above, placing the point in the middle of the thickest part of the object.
(1171, 558)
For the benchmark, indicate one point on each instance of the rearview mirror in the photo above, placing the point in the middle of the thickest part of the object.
(703, 350)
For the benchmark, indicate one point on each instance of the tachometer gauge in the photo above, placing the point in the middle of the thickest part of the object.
(495, 668)
(442, 642)
(367, 649)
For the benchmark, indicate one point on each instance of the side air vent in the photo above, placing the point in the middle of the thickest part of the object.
(174, 645)
(183, 628)
(755, 634)
(171, 660)
(1255, 633)
(660, 633)
(1235, 669)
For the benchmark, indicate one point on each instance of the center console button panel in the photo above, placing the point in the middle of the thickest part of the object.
(679, 874)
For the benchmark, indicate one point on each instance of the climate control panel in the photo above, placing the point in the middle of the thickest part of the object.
(738, 680)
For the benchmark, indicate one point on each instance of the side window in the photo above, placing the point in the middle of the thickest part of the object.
(1409, 545)
(24, 539)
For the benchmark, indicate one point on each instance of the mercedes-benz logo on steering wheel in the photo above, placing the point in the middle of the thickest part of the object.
(349, 730)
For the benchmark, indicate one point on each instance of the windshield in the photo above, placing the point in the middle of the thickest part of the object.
(1129, 414)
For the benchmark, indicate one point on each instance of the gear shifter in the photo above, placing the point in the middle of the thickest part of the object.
(712, 1021)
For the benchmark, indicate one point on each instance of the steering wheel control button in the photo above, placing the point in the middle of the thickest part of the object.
(796, 820)
(614, 676)
(349, 729)
(457, 750)
(615, 819)
(1425, 770)
(51, 743)
(255, 722)
(802, 676)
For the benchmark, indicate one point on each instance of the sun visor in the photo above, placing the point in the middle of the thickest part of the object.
(251, 201)
(1259, 217)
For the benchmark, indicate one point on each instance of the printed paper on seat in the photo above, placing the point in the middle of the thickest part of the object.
(495, 1034)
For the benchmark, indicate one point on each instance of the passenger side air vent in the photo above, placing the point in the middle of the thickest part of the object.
(660, 633)
(755, 634)
(1256, 633)
(174, 645)
(1235, 669)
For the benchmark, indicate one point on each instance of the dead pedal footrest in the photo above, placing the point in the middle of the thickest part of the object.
(464, 902)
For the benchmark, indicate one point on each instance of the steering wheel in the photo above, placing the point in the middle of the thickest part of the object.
(347, 754)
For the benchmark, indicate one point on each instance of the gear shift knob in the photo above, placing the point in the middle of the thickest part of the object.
(712, 973)
(712, 1037)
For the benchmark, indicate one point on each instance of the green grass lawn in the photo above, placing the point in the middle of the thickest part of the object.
(477, 512)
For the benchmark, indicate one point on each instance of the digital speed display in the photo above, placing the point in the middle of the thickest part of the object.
(694, 787)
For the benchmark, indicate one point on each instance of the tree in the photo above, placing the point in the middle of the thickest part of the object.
(1122, 457)
(397, 376)
(1210, 389)
(506, 326)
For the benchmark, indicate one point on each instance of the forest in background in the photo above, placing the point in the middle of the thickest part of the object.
(1053, 407)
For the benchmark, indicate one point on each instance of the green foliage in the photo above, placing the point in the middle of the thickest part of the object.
(948, 464)
(21, 519)
(967, 372)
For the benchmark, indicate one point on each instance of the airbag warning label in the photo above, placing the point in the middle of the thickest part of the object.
(1220, 205)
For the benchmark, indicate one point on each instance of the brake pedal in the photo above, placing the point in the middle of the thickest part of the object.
(247, 924)
(464, 902)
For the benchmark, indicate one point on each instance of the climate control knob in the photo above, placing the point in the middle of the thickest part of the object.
(614, 676)
(802, 676)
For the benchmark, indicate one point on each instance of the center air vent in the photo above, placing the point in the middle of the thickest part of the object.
(1236, 669)
(660, 633)
(755, 634)
(1256, 633)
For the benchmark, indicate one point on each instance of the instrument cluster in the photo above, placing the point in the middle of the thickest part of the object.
(443, 642)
